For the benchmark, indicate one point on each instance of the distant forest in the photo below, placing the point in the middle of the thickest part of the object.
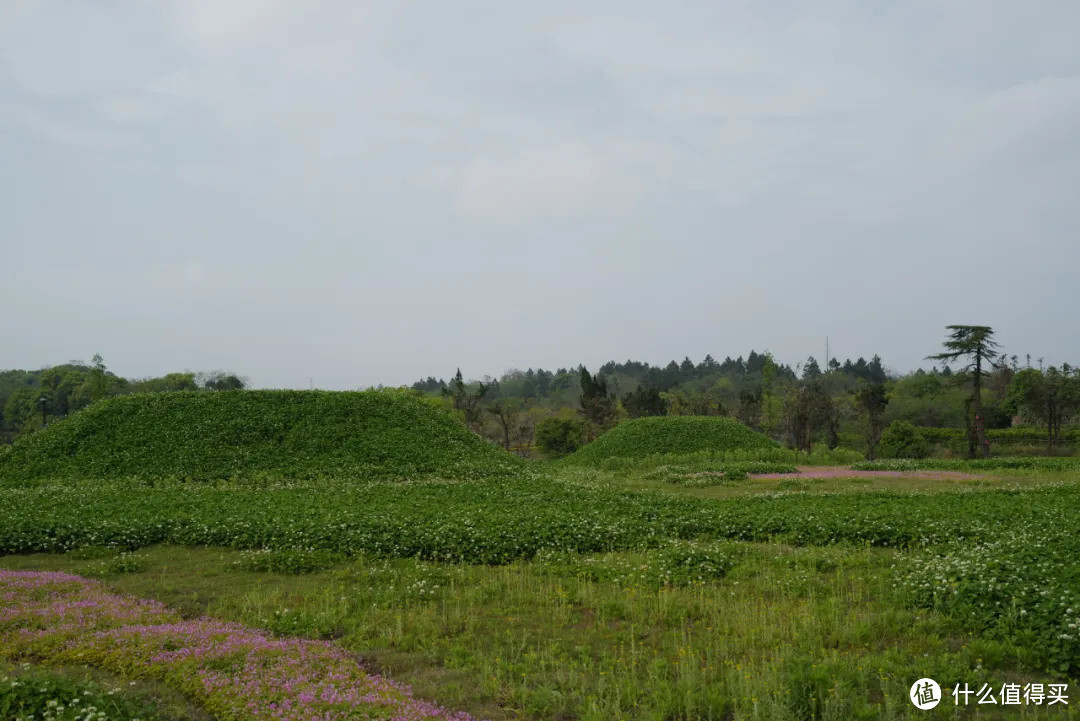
(540, 383)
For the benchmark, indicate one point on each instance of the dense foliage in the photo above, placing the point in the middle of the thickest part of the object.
(275, 434)
(671, 434)
(557, 437)
(902, 440)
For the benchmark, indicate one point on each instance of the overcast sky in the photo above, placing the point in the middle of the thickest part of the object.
(363, 192)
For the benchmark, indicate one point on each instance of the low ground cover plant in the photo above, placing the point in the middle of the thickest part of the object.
(1022, 463)
(487, 522)
(709, 460)
(1022, 585)
(33, 694)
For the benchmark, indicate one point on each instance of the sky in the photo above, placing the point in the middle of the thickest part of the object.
(343, 193)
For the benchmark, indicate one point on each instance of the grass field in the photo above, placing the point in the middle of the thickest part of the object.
(663, 586)
(669, 602)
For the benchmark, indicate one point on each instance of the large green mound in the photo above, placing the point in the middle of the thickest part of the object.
(671, 434)
(253, 434)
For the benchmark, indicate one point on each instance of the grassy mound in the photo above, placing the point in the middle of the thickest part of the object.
(673, 435)
(256, 434)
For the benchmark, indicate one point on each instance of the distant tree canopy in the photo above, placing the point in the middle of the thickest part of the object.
(559, 436)
(30, 398)
(597, 403)
(644, 401)
(541, 384)
(220, 381)
(467, 401)
(1047, 398)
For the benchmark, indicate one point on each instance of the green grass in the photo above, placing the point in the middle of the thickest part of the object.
(644, 437)
(259, 435)
(771, 632)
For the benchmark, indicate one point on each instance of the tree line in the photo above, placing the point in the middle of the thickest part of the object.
(972, 385)
(31, 399)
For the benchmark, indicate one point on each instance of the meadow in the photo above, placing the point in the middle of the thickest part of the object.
(660, 586)
(554, 597)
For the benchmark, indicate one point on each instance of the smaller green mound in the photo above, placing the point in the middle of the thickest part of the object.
(671, 435)
(261, 435)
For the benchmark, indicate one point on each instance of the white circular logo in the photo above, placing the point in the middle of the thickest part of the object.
(925, 693)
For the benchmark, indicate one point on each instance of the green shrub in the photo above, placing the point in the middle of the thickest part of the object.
(902, 440)
(556, 437)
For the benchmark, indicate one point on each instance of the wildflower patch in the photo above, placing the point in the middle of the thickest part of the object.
(231, 670)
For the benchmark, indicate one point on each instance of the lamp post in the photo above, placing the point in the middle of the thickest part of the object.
(43, 400)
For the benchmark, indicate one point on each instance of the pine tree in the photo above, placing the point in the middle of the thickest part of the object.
(975, 343)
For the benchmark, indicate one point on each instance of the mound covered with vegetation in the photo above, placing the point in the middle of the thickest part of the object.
(256, 434)
(672, 435)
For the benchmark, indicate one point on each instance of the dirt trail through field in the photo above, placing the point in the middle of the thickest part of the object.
(846, 472)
